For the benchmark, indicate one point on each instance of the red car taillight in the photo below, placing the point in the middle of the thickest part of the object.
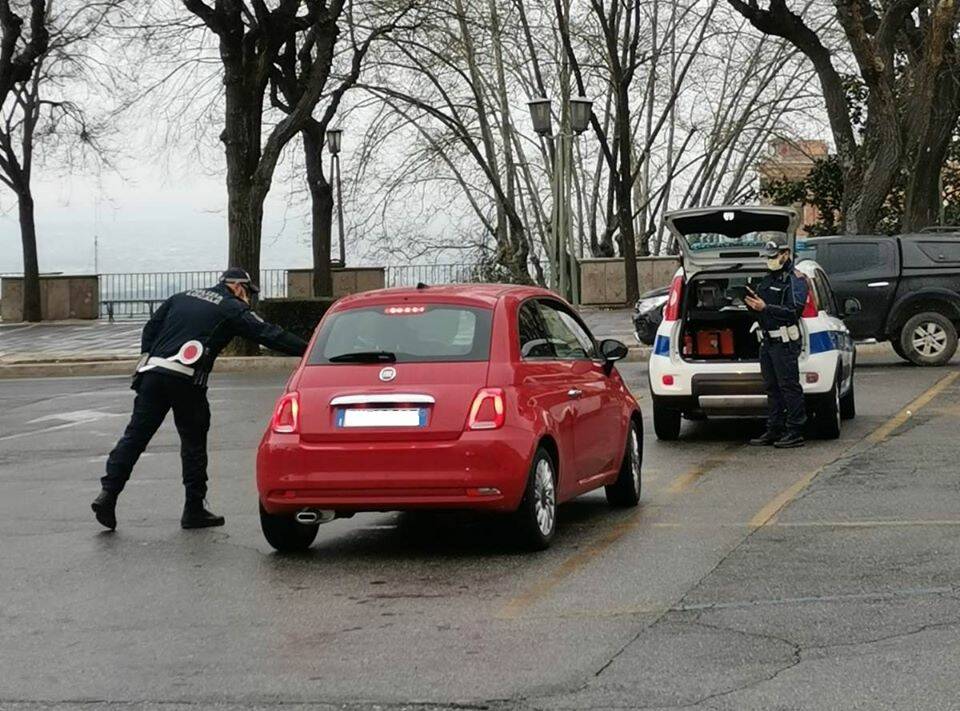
(286, 416)
(487, 411)
(671, 311)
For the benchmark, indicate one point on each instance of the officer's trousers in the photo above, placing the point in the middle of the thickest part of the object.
(781, 378)
(157, 394)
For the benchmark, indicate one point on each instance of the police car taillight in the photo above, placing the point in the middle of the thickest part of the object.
(671, 311)
(810, 307)
(487, 411)
(286, 416)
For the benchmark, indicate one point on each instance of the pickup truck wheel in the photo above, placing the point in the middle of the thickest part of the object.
(666, 422)
(826, 416)
(898, 349)
(929, 339)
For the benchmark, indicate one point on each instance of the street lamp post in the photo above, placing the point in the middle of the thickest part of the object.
(562, 252)
(333, 145)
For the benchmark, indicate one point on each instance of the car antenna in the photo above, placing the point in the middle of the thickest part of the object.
(421, 285)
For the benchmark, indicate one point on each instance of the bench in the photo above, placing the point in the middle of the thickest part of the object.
(109, 305)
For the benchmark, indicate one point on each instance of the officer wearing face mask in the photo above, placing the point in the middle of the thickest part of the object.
(178, 346)
(778, 302)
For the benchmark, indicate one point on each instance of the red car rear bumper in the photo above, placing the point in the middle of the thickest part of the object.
(394, 476)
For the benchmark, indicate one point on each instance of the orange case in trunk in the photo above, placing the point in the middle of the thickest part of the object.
(715, 343)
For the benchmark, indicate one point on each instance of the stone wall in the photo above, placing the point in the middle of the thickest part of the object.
(349, 280)
(603, 282)
(61, 298)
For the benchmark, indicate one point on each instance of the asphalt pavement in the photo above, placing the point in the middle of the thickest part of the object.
(826, 577)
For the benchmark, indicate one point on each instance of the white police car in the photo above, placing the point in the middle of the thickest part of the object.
(705, 360)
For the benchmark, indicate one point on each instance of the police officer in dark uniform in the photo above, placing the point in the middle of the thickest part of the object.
(179, 345)
(779, 300)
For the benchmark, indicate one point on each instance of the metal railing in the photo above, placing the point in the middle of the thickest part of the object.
(135, 295)
(412, 274)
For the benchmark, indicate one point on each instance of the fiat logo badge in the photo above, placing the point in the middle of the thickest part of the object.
(388, 374)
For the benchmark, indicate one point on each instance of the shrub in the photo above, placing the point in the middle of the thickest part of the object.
(297, 315)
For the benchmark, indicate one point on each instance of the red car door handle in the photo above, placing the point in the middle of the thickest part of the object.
(574, 393)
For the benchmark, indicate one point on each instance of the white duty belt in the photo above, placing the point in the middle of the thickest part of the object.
(189, 353)
(785, 334)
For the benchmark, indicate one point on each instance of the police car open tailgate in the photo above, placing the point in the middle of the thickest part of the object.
(730, 237)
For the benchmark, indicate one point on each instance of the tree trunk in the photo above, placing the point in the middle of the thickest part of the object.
(624, 195)
(881, 153)
(241, 139)
(321, 212)
(31, 268)
(921, 205)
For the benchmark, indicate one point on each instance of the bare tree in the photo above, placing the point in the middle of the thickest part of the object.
(711, 95)
(251, 39)
(289, 82)
(20, 55)
(47, 66)
(906, 56)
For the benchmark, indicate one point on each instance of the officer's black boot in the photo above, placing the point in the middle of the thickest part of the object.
(104, 507)
(196, 515)
(766, 439)
(790, 439)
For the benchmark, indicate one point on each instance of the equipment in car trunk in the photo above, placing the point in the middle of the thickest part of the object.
(706, 343)
(717, 342)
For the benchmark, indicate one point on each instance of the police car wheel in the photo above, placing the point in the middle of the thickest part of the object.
(826, 418)
(666, 422)
(536, 518)
(848, 404)
(625, 491)
(929, 339)
(285, 534)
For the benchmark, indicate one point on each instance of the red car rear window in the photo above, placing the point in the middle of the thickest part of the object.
(404, 333)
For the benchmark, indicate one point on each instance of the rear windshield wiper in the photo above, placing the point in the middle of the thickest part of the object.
(364, 357)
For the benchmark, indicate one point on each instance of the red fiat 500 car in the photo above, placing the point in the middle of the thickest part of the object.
(484, 397)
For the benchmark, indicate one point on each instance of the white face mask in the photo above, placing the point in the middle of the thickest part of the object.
(773, 264)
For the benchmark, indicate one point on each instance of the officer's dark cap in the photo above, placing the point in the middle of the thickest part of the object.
(772, 248)
(236, 275)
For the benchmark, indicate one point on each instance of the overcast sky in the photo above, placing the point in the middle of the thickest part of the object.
(144, 221)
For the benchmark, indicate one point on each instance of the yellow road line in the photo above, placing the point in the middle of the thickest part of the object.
(570, 566)
(867, 524)
(778, 502)
(692, 476)
(772, 508)
(895, 422)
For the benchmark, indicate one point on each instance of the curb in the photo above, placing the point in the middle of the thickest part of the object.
(73, 369)
(255, 364)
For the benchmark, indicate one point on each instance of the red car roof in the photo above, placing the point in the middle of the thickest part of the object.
(485, 295)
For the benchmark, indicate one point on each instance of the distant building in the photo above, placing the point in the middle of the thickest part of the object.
(793, 160)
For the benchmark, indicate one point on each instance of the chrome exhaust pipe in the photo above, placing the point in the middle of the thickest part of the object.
(310, 517)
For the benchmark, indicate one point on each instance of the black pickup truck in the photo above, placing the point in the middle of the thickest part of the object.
(908, 287)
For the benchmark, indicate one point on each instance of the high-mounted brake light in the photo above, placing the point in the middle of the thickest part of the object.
(487, 411)
(404, 310)
(286, 415)
(810, 307)
(671, 311)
